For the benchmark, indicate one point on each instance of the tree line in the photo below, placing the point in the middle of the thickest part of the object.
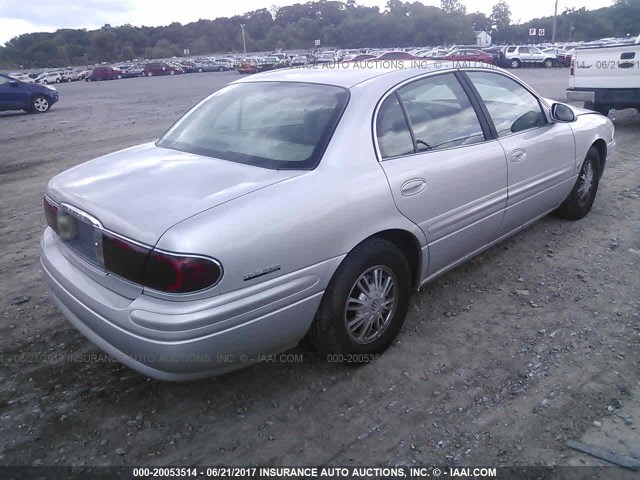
(297, 26)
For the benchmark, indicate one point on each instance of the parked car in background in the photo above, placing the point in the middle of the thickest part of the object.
(223, 64)
(104, 73)
(206, 65)
(299, 61)
(70, 76)
(49, 77)
(188, 66)
(133, 71)
(248, 65)
(326, 58)
(30, 97)
(396, 55)
(362, 57)
(496, 53)
(565, 57)
(268, 63)
(161, 68)
(200, 253)
(435, 53)
(84, 74)
(468, 55)
(517, 56)
(23, 77)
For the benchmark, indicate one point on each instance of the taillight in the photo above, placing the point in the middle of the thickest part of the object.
(180, 274)
(124, 258)
(163, 271)
(51, 213)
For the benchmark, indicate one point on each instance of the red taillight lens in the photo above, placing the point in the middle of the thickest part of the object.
(51, 213)
(124, 258)
(158, 270)
(180, 274)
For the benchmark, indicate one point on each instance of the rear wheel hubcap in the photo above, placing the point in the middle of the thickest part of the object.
(371, 304)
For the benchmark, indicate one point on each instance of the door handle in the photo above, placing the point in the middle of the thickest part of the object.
(518, 155)
(413, 186)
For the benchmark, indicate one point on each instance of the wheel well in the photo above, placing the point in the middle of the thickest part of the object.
(601, 146)
(409, 245)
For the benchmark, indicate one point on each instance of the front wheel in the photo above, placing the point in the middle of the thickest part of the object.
(150, 74)
(365, 303)
(548, 63)
(40, 104)
(515, 63)
(173, 72)
(200, 70)
(581, 198)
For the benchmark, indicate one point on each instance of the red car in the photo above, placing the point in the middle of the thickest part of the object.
(161, 68)
(468, 55)
(396, 56)
(362, 58)
(104, 73)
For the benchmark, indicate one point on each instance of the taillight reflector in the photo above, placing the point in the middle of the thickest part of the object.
(51, 213)
(180, 274)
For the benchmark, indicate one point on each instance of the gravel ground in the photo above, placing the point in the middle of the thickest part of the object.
(499, 363)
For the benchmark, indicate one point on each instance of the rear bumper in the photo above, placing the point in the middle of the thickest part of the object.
(177, 341)
(581, 96)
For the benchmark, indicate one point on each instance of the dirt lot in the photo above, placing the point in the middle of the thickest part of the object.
(479, 375)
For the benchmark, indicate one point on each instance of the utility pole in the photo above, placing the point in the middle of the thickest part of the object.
(244, 43)
(555, 14)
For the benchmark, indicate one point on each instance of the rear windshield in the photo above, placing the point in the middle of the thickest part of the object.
(277, 125)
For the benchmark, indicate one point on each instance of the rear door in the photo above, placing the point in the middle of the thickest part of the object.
(541, 156)
(445, 173)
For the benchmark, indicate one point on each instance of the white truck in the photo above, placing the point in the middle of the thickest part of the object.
(606, 77)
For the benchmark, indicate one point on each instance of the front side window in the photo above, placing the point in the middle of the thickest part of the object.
(243, 123)
(440, 113)
(511, 106)
(3, 80)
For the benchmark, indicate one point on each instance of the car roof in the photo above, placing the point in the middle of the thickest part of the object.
(347, 75)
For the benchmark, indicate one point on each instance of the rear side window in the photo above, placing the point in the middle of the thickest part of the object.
(511, 106)
(511, 49)
(394, 137)
(279, 125)
(440, 113)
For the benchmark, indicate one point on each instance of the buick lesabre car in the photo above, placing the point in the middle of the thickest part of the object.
(253, 223)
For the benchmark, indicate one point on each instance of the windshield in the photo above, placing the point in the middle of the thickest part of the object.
(243, 123)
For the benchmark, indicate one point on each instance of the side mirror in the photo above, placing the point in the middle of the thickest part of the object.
(562, 113)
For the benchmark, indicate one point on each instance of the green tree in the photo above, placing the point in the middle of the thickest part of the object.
(501, 15)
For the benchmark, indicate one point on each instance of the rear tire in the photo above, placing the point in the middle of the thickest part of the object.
(548, 63)
(365, 303)
(580, 200)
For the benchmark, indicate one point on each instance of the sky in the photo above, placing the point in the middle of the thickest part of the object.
(18, 17)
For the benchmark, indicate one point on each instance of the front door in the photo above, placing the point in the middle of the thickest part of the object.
(12, 96)
(541, 156)
(443, 174)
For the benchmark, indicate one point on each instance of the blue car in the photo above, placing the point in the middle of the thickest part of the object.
(17, 95)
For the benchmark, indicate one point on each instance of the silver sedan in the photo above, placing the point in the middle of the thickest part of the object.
(307, 203)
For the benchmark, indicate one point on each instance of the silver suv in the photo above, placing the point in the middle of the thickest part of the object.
(519, 56)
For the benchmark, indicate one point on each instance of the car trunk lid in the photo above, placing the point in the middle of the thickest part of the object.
(143, 191)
